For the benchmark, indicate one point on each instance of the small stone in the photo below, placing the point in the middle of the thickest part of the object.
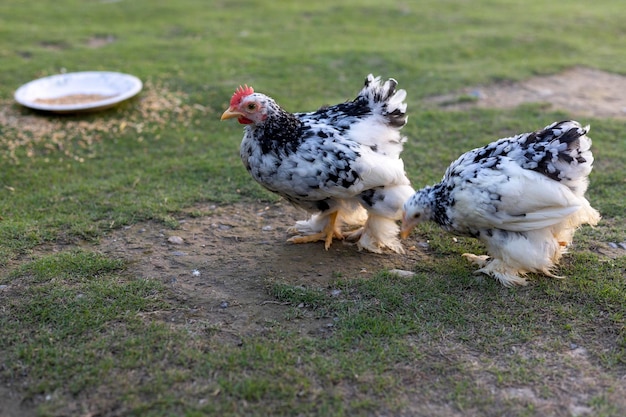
(580, 410)
(455, 240)
(622, 245)
(224, 304)
(477, 94)
(195, 273)
(335, 293)
(423, 245)
(179, 253)
(401, 273)
(175, 240)
(4, 287)
(613, 245)
(267, 228)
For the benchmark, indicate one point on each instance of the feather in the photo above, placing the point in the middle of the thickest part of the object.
(522, 196)
(334, 162)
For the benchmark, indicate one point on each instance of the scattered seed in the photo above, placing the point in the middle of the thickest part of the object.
(37, 136)
(72, 99)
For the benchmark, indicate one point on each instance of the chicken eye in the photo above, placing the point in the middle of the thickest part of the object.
(251, 106)
(417, 215)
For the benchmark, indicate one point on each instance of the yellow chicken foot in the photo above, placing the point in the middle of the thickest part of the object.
(326, 235)
(480, 260)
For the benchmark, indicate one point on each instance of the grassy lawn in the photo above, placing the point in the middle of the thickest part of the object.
(80, 333)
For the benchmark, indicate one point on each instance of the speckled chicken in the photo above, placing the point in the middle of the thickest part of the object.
(341, 163)
(522, 196)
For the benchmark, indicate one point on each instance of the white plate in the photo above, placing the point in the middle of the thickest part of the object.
(78, 91)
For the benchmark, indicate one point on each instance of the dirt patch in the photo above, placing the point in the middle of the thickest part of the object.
(582, 92)
(99, 41)
(221, 263)
(55, 45)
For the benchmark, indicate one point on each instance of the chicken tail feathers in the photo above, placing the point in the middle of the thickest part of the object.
(386, 99)
(561, 152)
(567, 131)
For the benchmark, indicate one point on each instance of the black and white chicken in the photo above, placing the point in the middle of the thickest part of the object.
(342, 163)
(522, 196)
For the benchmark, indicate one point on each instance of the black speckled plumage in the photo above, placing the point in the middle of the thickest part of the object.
(319, 160)
(523, 196)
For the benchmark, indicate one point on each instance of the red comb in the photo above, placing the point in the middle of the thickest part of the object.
(240, 93)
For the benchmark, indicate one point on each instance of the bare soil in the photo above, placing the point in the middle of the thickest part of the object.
(581, 92)
(222, 262)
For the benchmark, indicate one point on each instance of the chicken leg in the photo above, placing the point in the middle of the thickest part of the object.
(326, 234)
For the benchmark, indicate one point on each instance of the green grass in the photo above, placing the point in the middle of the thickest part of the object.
(82, 332)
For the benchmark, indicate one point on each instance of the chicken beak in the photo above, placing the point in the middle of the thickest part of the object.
(230, 114)
(405, 229)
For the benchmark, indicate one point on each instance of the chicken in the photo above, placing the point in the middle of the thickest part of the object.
(341, 163)
(522, 196)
